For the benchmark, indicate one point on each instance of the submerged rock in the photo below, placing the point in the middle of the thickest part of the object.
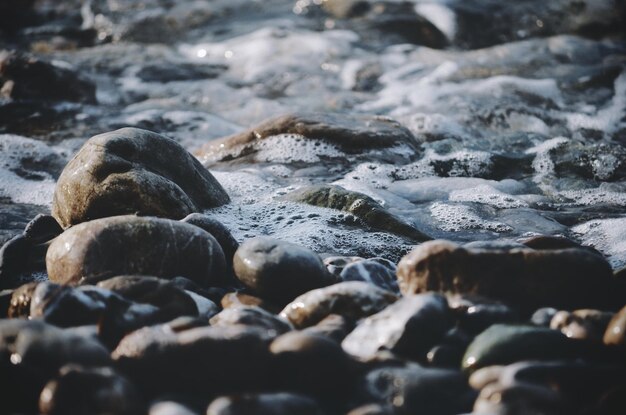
(409, 328)
(564, 278)
(127, 245)
(352, 299)
(133, 171)
(358, 204)
(278, 270)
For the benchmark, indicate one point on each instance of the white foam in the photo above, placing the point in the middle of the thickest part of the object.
(455, 218)
(440, 16)
(13, 150)
(606, 235)
(543, 164)
(290, 148)
(488, 195)
(601, 195)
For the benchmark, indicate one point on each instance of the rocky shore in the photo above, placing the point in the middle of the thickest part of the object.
(312, 207)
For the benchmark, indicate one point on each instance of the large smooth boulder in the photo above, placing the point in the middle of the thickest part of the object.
(131, 245)
(569, 278)
(133, 171)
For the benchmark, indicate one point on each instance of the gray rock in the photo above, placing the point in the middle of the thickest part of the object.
(127, 245)
(359, 205)
(523, 277)
(377, 271)
(282, 403)
(133, 171)
(278, 270)
(353, 300)
(409, 328)
(251, 316)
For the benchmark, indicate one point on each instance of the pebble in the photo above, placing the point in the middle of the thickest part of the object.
(582, 324)
(615, 333)
(127, 245)
(133, 171)
(377, 271)
(282, 403)
(252, 316)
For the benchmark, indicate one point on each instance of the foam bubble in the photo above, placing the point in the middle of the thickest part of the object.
(597, 196)
(289, 148)
(488, 195)
(606, 235)
(455, 218)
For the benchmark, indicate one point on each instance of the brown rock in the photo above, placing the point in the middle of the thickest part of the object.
(615, 333)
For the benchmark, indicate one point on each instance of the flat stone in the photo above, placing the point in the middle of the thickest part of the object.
(131, 245)
(133, 171)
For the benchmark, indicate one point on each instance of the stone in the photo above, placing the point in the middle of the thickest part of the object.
(568, 278)
(281, 403)
(66, 306)
(378, 271)
(353, 300)
(410, 389)
(615, 333)
(133, 171)
(278, 270)
(89, 391)
(21, 300)
(25, 77)
(334, 326)
(353, 133)
(474, 315)
(239, 299)
(170, 408)
(251, 316)
(362, 206)
(179, 71)
(127, 245)
(502, 344)
(313, 365)
(543, 316)
(582, 324)
(408, 328)
(203, 360)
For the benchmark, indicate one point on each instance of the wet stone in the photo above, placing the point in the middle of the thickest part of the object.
(377, 271)
(278, 270)
(167, 407)
(543, 316)
(282, 403)
(101, 391)
(133, 171)
(21, 300)
(522, 277)
(615, 333)
(239, 299)
(66, 306)
(251, 316)
(359, 205)
(353, 300)
(334, 326)
(409, 328)
(582, 324)
(503, 344)
(106, 247)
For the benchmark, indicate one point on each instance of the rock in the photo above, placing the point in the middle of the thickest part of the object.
(133, 171)
(543, 316)
(66, 306)
(371, 409)
(352, 133)
(477, 314)
(411, 389)
(353, 300)
(334, 326)
(503, 344)
(31, 353)
(204, 360)
(251, 316)
(313, 365)
(170, 408)
(409, 328)
(582, 324)
(278, 270)
(359, 205)
(25, 77)
(89, 391)
(282, 403)
(179, 71)
(42, 228)
(14, 15)
(21, 300)
(239, 299)
(378, 271)
(615, 333)
(522, 277)
(127, 245)
(445, 356)
(518, 398)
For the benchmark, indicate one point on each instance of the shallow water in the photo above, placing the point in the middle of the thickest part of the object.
(522, 137)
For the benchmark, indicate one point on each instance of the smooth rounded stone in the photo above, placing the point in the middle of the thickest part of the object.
(353, 300)
(278, 270)
(155, 291)
(334, 326)
(42, 228)
(21, 300)
(96, 391)
(412, 389)
(582, 324)
(359, 205)
(282, 403)
(477, 314)
(543, 316)
(377, 271)
(544, 242)
(220, 232)
(66, 306)
(371, 409)
(239, 299)
(133, 171)
(526, 278)
(615, 333)
(251, 316)
(312, 364)
(335, 264)
(25, 77)
(518, 399)
(203, 360)
(503, 344)
(353, 133)
(409, 328)
(445, 356)
(127, 245)
(170, 408)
